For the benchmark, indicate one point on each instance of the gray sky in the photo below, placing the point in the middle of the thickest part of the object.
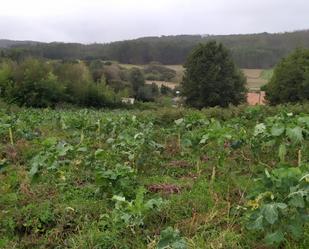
(90, 21)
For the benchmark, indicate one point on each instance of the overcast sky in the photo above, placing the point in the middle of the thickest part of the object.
(91, 21)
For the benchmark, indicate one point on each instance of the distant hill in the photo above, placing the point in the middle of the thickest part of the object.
(262, 50)
(4, 43)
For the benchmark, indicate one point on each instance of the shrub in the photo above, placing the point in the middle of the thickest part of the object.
(290, 81)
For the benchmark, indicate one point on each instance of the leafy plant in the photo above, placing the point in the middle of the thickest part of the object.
(278, 206)
(52, 155)
(117, 180)
(171, 239)
(133, 213)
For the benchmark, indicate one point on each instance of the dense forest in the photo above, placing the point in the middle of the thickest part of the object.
(249, 51)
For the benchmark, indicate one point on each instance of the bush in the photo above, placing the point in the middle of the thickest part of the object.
(33, 84)
(38, 83)
(148, 92)
(158, 72)
(290, 81)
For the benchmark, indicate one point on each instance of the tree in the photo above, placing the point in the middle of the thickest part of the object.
(96, 70)
(211, 77)
(136, 78)
(40, 83)
(290, 81)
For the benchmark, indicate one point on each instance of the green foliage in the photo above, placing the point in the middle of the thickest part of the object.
(278, 205)
(38, 83)
(157, 72)
(211, 78)
(132, 213)
(165, 90)
(148, 92)
(84, 178)
(282, 132)
(170, 238)
(290, 80)
(267, 74)
(117, 181)
(35, 218)
(51, 157)
(249, 51)
(136, 79)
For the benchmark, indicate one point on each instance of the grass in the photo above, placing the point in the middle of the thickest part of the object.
(267, 74)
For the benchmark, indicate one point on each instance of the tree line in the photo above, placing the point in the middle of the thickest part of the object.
(248, 51)
(34, 82)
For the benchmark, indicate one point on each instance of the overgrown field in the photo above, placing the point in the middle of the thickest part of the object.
(168, 178)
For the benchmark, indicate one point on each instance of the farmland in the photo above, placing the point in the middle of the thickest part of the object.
(255, 77)
(166, 178)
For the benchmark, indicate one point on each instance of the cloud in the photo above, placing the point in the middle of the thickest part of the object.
(102, 21)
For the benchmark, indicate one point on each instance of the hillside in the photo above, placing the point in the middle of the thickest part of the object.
(5, 43)
(249, 51)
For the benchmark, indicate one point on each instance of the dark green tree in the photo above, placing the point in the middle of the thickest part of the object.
(290, 81)
(211, 77)
(137, 80)
(96, 70)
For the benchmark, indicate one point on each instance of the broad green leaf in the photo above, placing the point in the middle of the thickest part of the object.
(296, 229)
(277, 130)
(82, 149)
(297, 200)
(295, 134)
(179, 121)
(259, 129)
(292, 172)
(304, 120)
(98, 152)
(281, 205)
(274, 238)
(171, 239)
(204, 139)
(270, 213)
(119, 198)
(150, 204)
(257, 224)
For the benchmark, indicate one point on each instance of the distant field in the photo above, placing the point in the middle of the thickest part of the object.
(255, 77)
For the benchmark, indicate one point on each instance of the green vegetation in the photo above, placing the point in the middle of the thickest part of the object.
(290, 80)
(157, 72)
(45, 83)
(166, 178)
(249, 51)
(39, 83)
(211, 78)
(267, 74)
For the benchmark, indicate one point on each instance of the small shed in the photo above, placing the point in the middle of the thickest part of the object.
(129, 101)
